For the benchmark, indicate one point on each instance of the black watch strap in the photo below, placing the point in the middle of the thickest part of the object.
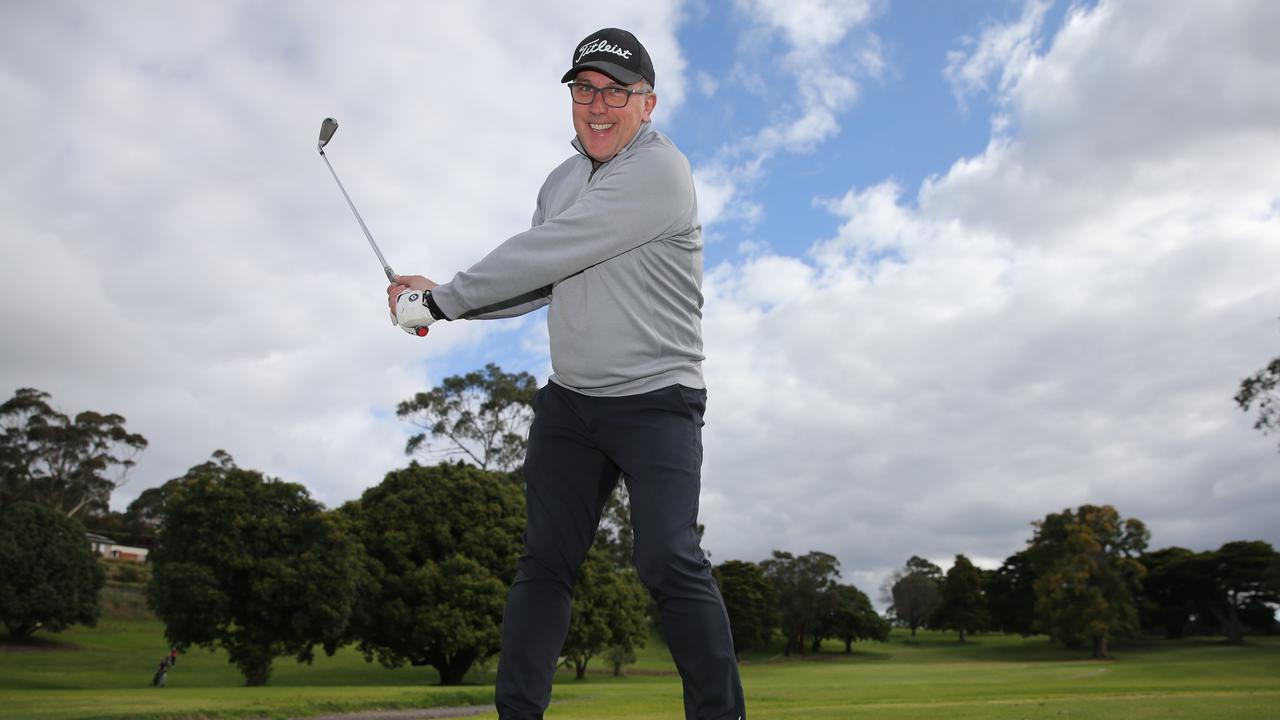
(433, 308)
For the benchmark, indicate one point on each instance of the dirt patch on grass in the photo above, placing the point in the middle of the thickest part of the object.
(418, 714)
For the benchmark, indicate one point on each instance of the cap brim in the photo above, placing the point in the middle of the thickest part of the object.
(617, 72)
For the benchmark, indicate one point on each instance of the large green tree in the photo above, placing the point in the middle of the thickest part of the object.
(482, 416)
(1011, 595)
(608, 613)
(963, 606)
(255, 566)
(1240, 575)
(850, 617)
(916, 592)
(1088, 575)
(72, 464)
(145, 515)
(751, 602)
(1263, 389)
(49, 574)
(1176, 589)
(802, 585)
(442, 544)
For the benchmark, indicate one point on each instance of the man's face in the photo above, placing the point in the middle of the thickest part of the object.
(605, 130)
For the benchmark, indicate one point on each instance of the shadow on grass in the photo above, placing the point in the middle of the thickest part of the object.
(35, 643)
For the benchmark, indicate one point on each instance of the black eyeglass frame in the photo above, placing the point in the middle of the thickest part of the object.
(604, 92)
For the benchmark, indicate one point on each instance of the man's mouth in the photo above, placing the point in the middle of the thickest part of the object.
(600, 127)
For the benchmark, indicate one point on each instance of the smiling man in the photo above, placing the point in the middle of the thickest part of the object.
(616, 251)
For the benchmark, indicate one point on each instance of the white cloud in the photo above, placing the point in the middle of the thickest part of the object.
(175, 251)
(1006, 50)
(707, 84)
(1061, 319)
(825, 55)
(810, 26)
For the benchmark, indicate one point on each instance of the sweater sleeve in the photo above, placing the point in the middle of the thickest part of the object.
(628, 205)
(521, 304)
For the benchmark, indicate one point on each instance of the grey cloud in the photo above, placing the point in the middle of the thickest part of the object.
(175, 251)
(1062, 319)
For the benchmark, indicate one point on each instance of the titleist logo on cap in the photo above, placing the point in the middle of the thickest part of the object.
(598, 45)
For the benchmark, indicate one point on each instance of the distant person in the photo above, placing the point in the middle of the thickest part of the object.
(173, 656)
(161, 673)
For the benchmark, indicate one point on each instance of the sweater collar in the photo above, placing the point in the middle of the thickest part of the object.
(642, 131)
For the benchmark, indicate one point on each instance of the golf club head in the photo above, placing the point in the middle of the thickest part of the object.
(327, 129)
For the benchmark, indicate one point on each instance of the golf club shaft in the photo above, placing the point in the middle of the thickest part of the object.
(391, 275)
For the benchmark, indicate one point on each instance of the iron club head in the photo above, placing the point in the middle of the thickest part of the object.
(327, 129)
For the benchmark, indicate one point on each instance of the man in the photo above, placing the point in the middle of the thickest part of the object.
(616, 250)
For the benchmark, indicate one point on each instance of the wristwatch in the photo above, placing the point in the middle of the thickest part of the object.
(432, 307)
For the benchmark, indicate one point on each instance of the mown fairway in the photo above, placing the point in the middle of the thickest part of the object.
(105, 673)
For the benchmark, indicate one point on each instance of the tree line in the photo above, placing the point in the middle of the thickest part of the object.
(415, 571)
(1086, 577)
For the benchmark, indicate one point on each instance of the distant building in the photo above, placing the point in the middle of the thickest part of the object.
(108, 548)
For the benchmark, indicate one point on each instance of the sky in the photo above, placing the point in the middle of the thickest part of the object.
(967, 264)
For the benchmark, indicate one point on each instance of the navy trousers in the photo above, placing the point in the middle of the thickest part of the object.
(578, 447)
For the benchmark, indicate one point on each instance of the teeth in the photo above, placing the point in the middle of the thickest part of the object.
(600, 128)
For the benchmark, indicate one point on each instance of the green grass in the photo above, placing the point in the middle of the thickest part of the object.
(105, 672)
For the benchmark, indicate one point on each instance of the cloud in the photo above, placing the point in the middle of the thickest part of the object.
(1007, 50)
(707, 84)
(175, 251)
(1060, 319)
(825, 55)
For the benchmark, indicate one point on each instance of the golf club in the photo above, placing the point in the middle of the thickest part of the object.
(327, 129)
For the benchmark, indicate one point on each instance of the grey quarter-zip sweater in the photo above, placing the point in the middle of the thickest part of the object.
(617, 252)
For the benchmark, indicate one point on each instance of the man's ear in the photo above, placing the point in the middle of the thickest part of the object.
(650, 102)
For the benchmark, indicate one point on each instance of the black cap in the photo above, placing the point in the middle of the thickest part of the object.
(616, 53)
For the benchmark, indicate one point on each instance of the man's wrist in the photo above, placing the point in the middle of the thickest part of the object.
(433, 308)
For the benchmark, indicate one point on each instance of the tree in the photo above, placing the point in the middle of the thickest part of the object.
(145, 515)
(801, 584)
(916, 592)
(442, 544)
(68, 464)
(49, 574)
(1175, 589)
(751, 602)
(1011, 595)
(608, 613)
(1240, 575)
(963, 606)
(616, 539)
(255, 566)
(850, 617)
(482, 416)
(1088, 575)
(614, 534)
(1262, 388)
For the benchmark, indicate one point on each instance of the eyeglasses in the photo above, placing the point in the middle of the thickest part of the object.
(614, 96)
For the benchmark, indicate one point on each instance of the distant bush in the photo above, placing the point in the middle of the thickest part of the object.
(125, 601)
(130, 572)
